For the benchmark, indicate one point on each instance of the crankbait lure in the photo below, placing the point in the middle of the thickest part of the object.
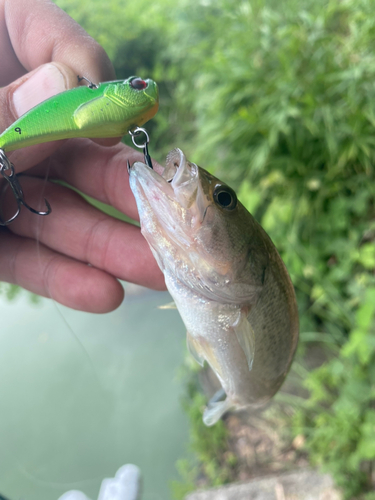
(110, 109)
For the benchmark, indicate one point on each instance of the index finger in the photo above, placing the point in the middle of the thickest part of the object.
(35, 32)
(96, 171)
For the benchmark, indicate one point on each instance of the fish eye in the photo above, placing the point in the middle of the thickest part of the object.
(138, 84)
(225, 197)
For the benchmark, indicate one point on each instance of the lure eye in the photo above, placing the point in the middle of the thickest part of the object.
(225, 197)
(138, 84)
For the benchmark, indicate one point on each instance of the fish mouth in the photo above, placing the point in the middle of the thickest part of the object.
(166, 200)
(172, 198)
(178, 171)
(178, 180)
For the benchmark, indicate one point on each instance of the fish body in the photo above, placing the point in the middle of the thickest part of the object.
(109, 110)
(226, 277)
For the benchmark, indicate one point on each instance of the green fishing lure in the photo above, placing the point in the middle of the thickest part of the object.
(109, 109)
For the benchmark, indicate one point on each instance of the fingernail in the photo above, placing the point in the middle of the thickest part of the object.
(44, 83)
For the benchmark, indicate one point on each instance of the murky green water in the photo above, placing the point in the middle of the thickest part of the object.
(75, 407)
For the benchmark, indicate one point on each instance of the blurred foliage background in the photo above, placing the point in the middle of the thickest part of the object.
(278, 99)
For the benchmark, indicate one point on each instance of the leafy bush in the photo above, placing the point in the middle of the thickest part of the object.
(339, 418)
(209, 458)
(10, 291)
(284, 106)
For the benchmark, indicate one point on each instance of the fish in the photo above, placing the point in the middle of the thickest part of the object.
(228, 281)
(109, 109)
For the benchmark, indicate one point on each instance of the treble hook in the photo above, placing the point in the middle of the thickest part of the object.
(133, 134)
(16, 188)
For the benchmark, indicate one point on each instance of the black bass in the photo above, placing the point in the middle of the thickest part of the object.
(226, 277)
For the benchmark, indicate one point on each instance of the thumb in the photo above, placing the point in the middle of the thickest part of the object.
(37, 86)
(25, 93)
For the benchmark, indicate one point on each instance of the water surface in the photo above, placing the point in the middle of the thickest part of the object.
(83, 394)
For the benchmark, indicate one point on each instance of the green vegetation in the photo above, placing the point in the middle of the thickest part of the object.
(278, 98)
(11, 291)
(208, 446)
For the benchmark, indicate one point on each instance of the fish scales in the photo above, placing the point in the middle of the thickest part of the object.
(226, 277)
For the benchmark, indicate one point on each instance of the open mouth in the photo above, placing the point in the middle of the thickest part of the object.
(178, 171)
(170, 171)
(179, 180)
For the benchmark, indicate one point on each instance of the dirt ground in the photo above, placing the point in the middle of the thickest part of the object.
(259, 438)
(262, 446)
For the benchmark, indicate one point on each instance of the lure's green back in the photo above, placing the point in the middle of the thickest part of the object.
(107, 111)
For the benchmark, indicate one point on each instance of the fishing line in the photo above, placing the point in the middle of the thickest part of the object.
(78, 342)
(55, 303)
(55, 484)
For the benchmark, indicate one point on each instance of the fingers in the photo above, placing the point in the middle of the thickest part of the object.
(78, 230)
(46, 49)
(39, 32)
(27, 92)
(98, 172)
(50, 274)
(31, 89)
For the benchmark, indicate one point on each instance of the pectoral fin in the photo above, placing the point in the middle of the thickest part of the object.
(246, 339)
(195, 349)
(170, 305)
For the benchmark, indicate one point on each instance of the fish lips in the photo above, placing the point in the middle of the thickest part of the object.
(179, 180)
(171, 206)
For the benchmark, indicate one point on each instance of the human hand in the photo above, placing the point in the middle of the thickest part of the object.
(42, 51)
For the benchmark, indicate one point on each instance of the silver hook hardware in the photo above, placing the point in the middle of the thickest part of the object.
(135, 133)
(91, 85)
(12, 179)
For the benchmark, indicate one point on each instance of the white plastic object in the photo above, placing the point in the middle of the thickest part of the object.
(126, 485)
(74, 495)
